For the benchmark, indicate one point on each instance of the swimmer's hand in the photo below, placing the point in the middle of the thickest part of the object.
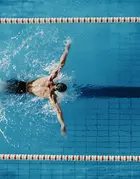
(63, 130)
(68, 43)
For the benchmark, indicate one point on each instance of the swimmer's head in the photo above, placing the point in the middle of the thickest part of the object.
(61, 87)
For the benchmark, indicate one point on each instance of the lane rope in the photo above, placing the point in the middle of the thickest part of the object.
(91, 158)
(70, 20)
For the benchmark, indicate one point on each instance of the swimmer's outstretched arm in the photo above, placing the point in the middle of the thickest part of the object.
(62, 60)
(59, 113)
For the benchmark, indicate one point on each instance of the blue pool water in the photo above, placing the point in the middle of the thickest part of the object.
(100, 55)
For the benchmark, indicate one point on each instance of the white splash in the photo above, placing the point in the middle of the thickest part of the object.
(2, 114)
(5, 137)
(49, 67)
(3, 122)
(48, 109)
(35, 99)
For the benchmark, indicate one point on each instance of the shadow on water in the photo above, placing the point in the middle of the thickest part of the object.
(90, 91)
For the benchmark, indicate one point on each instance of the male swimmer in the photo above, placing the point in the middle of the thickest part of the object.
(44, 87)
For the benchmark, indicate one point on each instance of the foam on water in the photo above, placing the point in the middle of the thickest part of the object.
(3, 123)
(40, 52)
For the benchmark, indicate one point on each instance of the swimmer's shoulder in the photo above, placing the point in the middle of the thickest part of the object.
(46, 78)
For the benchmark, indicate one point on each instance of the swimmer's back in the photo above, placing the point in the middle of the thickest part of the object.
(39, 87)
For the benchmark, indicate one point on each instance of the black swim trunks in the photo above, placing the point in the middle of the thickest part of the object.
(16, 86)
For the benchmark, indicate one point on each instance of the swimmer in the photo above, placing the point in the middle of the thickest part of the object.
(45, 87)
